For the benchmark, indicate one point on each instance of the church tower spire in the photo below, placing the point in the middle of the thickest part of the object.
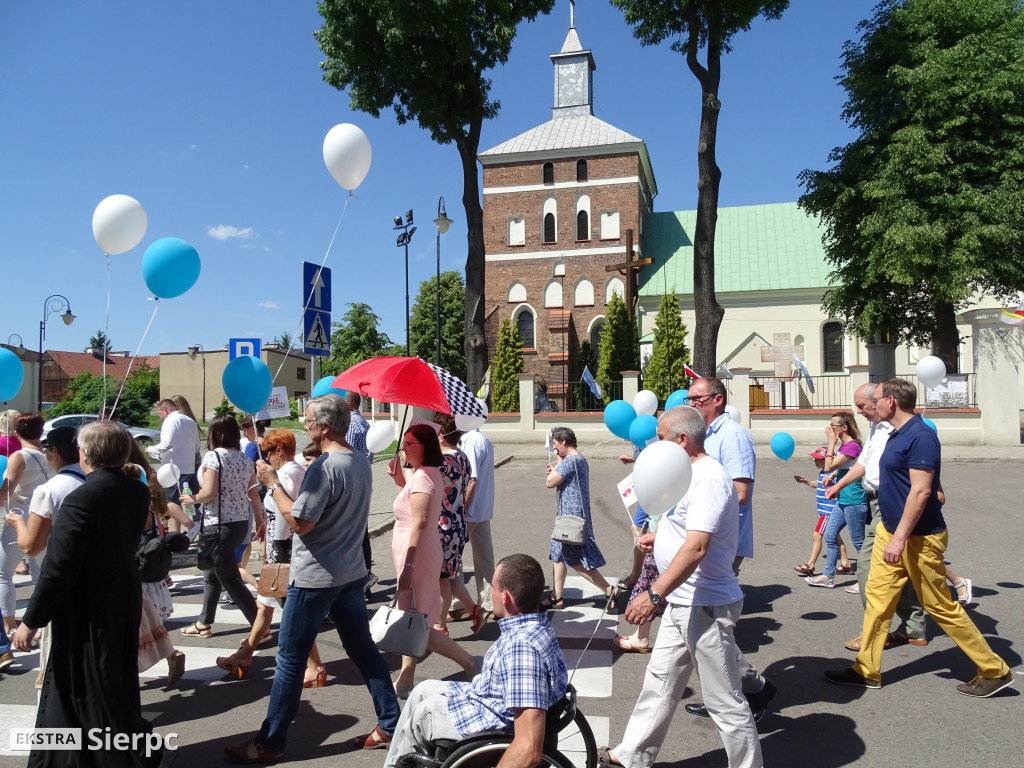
(574, 75)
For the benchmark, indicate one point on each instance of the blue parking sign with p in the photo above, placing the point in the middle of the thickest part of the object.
(243, 347)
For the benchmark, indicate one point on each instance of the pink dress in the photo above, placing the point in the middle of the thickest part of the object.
(425, 580)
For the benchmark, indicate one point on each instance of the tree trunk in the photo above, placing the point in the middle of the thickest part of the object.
(708, 311)
(946, 339)
(476, 339)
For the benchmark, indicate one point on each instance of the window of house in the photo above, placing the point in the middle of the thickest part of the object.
(583, 217)
(553, 294)
(595, 337)
(832, 344)
(581, 170)
(517, 293)
(584, 294)
(524, 322)
(550, 213)
(300, 373)
(549, 173)
(517, 231)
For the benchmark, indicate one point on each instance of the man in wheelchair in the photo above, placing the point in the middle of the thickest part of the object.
(523, 676)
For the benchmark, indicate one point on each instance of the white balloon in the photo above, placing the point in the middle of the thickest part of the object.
(168, 475)
(119, 224)
(380, 436)
(645, 403)
(661, 476)
(733, 411)
(931, 370)
(347, 154)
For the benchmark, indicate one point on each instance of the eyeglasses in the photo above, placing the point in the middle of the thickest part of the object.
(407, 443)
(698, 399)
(875, 400)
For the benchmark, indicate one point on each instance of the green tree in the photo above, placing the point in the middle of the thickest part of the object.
(99, 341)
(587, 355)
(145, 381)
(665, 372)
(356, 338)
(286, 340)
(620, 346)
(926, 206)
(508, 363)
(85, 395)
(423, 323)
(226, 409)
(428, 61)
(693, 25)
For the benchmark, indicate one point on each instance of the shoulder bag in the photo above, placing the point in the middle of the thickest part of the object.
(273, 580)
(397, 631)
(208, 542)
(153, 556)
(568, 529)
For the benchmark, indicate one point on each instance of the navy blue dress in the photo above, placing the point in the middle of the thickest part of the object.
(574, 499)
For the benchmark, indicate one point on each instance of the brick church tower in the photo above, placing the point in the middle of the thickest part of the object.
(558, 201)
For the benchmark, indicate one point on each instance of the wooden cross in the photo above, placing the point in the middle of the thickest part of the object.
(781, 353)
(630, 269)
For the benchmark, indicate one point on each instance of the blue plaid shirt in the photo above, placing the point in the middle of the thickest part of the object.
(524, 669)
(356, 435)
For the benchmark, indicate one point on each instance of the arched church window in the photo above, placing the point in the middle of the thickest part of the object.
(615, 285)
(832, 346)
(553, 294)
(596, 331)
(581, 170)
(584, 294)
(549, 228)
(549, 173)
(583, 217)
(517, 293)
(524, 323)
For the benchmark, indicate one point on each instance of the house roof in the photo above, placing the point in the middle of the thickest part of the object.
(74, 363)
(757, 248)
(560, 133)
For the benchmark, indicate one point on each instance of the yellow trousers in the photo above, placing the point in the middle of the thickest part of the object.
(923, 563)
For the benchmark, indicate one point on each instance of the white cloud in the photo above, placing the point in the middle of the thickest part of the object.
(268, 304)
(225, 231)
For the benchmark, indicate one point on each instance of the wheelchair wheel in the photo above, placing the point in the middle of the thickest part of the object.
(576, 742)
(487, 754)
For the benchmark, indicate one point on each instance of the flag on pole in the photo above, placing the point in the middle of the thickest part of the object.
(548, 445)
(588, 379)
(485, 388)
(1013, 318)
(690, 372)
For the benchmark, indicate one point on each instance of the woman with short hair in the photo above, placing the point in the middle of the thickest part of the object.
(228, 497)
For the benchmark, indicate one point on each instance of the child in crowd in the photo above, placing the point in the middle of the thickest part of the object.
(311, 453)
(824, 507)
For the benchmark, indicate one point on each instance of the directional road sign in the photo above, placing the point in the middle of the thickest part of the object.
(316, 303)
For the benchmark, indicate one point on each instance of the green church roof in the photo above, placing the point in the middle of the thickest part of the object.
(757, 248)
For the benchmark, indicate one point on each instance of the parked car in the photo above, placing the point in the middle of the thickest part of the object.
(143, 436)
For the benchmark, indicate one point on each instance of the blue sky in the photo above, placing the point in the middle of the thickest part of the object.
(213, 116)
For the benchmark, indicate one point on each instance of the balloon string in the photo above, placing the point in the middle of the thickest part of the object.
(132, 361)
(302, 316)
(106, 333)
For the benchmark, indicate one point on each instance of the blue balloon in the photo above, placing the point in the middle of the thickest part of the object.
(3, 465)
(11, 374)
(931, 424)
(783, 445)
(170, 266)
(247, 382)
(323, 387)
(679, 397)
(642, 429)
(618, 416)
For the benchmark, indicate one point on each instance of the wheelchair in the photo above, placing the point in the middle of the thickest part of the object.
(568, 743)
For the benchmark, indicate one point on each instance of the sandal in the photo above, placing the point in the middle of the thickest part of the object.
(457, 614)
(250, 752)
(479, 618)
(627, 584)
(965, 584)
(317, 682)
(821, 581)
(245, 641)
(604, 757)
(627, 644)
(175, 667)
(845, 570)
(551, 603)
(375, 739)
(804, 570)
(239, 668)
(194, 630)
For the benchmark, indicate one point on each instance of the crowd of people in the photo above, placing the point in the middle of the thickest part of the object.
(313, 516)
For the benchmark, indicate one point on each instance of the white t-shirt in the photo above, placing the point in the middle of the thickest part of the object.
(179, 442)
(710, 505)
(290, 476)
(872, 454)
(478, 448)
(47, 498)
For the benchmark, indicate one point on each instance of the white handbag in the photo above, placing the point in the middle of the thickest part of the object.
(398, 631)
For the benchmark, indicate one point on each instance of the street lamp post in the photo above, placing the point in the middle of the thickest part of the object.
(192, 352)
(52, 305)
(408, 230)
(442, 222)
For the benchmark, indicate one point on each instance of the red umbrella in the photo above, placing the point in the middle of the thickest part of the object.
(410, 381)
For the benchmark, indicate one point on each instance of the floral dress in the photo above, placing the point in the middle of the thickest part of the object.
(451, 524)
(574, 499)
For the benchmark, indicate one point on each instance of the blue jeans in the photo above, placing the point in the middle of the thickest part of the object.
(304, 613)
(5, 642)
(852, 515)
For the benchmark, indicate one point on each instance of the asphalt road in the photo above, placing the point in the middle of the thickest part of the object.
(790, 631)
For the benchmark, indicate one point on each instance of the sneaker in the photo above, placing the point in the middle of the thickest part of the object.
(850, 677)
(6, 659)
(983, 687)
(853, 589)
(898, 638)
(758, 702)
